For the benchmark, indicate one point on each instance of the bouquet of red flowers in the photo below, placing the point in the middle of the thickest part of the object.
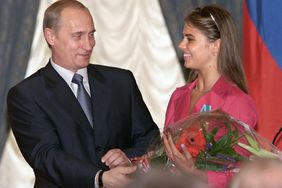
(215, 140)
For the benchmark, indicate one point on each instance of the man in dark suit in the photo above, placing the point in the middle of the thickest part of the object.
(68, 142)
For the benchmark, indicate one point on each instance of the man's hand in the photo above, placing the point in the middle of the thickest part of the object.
(114, 158)
(118, 177)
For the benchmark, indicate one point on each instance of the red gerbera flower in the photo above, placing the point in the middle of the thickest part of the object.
(193, 139)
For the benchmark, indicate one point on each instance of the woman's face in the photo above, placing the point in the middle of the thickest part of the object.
(197, 49)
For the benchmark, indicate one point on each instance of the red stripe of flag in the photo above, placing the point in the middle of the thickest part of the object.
(264, 79)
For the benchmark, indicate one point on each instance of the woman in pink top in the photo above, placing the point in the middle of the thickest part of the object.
(211, 50)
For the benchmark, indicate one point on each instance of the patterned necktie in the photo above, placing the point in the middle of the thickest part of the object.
(83, 97)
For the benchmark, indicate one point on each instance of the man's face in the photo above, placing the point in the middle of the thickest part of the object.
(74, 40)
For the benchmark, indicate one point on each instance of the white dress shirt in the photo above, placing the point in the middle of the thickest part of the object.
(67, 75)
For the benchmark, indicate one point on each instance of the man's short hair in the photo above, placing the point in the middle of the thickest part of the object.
(53, 12)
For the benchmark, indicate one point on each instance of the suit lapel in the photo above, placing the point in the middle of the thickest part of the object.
(64, 97)
(101, 100)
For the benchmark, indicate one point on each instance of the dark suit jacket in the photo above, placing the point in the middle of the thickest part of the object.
(55, 136)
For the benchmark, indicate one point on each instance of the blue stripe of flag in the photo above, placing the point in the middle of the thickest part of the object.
(267, 17)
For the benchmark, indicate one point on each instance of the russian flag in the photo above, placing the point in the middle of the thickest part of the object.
(262, 59)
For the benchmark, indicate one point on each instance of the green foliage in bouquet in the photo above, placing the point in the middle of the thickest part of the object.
(220, 154)
(254, 148)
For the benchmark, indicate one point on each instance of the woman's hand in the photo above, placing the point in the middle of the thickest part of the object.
(183, 162)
